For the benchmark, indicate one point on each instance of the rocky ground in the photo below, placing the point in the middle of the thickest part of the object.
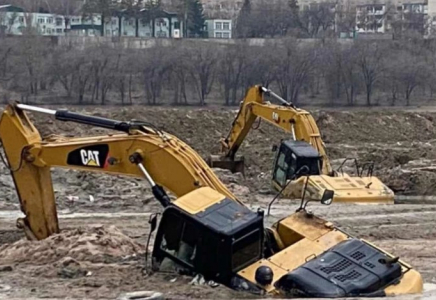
(100, 251)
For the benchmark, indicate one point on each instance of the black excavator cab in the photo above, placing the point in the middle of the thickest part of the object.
(291, 157)
(216, 243)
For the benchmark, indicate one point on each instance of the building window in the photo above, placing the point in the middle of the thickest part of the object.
(49, 20)
(48, 30)
(226, 25)
(108, 32)
(59, 30)
(226, 35)
(114, 22)
(161, 33)
(218, 35)
(21, 19)
(218, 25)
(41, 20)
(59, 22)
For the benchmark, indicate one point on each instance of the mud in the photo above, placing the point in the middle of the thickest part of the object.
(100, 252)
(100, 272)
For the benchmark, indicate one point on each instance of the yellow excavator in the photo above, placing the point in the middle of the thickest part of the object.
(206, 230)
(304, 153)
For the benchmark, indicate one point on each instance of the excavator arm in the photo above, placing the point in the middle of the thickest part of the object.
(291, 119)
(305, 151)
(30, 158)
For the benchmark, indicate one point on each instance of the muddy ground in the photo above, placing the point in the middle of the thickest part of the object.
(100, 253)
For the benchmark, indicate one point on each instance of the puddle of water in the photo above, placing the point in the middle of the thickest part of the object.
(14, 214)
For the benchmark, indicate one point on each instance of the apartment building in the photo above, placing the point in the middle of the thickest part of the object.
(391, 17)
(371, 18)
(219, 28)
(164, 25)
(14, 21)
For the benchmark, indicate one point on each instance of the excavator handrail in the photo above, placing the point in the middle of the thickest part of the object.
(360, 167)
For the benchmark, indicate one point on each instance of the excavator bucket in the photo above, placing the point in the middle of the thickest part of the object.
(235, 165)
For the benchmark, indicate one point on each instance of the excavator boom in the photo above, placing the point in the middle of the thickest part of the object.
(304, 149)
(30, 159)
(298, 122)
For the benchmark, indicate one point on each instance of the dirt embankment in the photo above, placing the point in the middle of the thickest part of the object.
(400, 143)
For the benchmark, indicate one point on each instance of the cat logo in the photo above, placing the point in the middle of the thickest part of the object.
(94, 156)
(90, 158)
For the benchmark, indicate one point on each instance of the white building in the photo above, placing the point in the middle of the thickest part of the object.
(14, 21)
(166, 25)
(219, 28)
(371, 18)
(49, 24)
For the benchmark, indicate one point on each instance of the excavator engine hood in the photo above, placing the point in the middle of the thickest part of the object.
(350, 269)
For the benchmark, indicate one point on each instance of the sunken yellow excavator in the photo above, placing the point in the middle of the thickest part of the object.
(206, 230)
(303, 154)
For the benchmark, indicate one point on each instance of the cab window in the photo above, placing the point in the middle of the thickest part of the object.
(180, 239)
(246, 250)
(281, 167)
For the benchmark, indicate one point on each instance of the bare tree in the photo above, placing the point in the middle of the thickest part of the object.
(317, 20)
(202, 69)
(370, 58)
(154, 67)
(230, 70)
(293, 64)
(265, 19)
(179, 76)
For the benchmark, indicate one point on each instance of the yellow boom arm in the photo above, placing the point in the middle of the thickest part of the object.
(302, 127)
(30, 158)
(298, 122)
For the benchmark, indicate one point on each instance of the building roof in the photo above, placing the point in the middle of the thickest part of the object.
(158, 13)
(11, 8)
(85, 27)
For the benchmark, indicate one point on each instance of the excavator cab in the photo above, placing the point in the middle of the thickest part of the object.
(290, 159)
(217, 240)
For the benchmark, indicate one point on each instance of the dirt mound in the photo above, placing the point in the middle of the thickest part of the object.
(94, 244)
(375, 126)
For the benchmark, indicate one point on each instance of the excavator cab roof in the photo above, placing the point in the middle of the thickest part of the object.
(301, 149)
